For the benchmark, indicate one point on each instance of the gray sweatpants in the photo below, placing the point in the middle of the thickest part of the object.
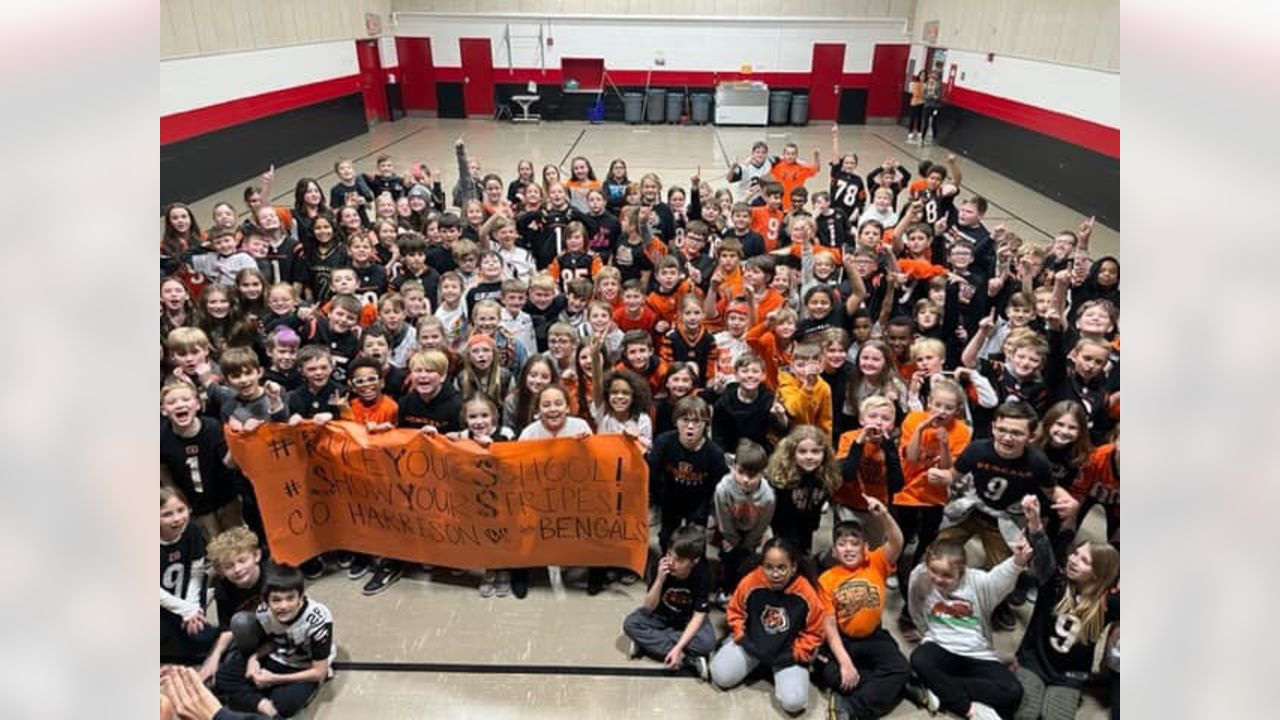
(655, 637)
(1051, 702)
(731, 665)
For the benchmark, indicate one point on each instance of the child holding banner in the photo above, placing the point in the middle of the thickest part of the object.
(480, 426)
(553, 421)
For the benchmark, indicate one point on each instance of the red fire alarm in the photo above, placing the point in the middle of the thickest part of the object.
(551, 41)
(991, 57)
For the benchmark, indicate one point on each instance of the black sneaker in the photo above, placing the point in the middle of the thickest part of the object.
(595, 581)
(519, 583)
(359, 566)
(312, 569)
(344, 559)
(628, 577)
(384, 577)
(1018, 597)
(921, 696)
(1003, 618)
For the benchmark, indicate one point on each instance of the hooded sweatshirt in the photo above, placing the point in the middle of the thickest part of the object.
(743, 517)
(780, 628)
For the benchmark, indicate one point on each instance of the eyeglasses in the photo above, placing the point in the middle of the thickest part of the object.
(365, 380)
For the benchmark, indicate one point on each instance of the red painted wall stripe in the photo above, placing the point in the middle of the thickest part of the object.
(190, 123)
(1077, 131)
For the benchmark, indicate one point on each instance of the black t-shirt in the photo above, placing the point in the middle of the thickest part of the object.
(283, 262)
(734, 420)
(1001, 482)
(379, 184)
(443, 411)
(681, 598)
(196, 466)
(1062, 465)
(372, 280)
(543, 318)
(685, 479)
(343, 348)
(631, 259)
(230, 599)
(319, 265)
(483, 291)
(603, 231)
(308, 404)
(429, 278)
(176, 559)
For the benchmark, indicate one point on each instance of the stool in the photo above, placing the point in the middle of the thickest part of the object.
(524, 101)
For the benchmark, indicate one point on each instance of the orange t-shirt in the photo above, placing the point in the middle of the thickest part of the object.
(791, 175)
(383, 410)
(916, 488)
(768, 223)
(871, 479)
(856, 597)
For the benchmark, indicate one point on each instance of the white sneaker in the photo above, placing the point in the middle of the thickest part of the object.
(487, 588)
(703, 667)
(979, 711)
(891, 582)
(502, 583)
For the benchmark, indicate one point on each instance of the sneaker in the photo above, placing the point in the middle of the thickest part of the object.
(908, 628)
(628, 578)
(384, 577)
(1018, 597)
(502, 583)
(837, 706)
(312, 569)
(720, 599)
(891, 582)
(344, 559)
(921, 696)
(595, 582)
(358, 567)
(633, 650)
(702, 667)
(1003, 618)
(980, 711)
(487, 587)
(520, 585)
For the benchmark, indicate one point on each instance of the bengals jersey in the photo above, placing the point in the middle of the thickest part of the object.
(867, 469)
(791, 175)
(177, 560)
(573, 266)
(768, 224)
(195, 465)
(302, 641)
(372, 283)
(847, 191)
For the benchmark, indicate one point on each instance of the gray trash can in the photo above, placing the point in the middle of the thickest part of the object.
(799, 109)
(779, 106)
(633, 108)
(675, 106)
(656, 105)
(700, 113)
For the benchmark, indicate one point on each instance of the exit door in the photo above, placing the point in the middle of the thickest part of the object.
(372, 82)
(824, 80)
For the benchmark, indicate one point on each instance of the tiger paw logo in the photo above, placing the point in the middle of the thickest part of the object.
(774, 620)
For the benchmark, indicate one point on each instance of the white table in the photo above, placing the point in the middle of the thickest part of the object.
(525, 101)
(739, 103)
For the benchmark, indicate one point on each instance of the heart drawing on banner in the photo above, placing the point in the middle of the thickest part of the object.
(495, 535)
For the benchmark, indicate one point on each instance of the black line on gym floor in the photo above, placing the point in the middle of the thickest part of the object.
(1007, 211)
(571, 147)
(375, 151)
(477, 669)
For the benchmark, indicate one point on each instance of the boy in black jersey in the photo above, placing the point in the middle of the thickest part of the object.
(988, 482)
(386, 180)
(235, 556)
(832, 223)
(338, 332)
(684, 467)
(938, 198)
(488, 280)
(371, 275)
(543, 307)
(752, 242)
(185, 635)
(195, 460)
(847, 194)
(283, 649)
(603, 229)
(672, 623)
(317, 399)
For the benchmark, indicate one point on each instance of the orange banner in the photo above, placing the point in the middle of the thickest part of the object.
(403, 495)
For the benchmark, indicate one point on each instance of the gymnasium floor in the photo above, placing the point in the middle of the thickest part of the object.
(483, 644)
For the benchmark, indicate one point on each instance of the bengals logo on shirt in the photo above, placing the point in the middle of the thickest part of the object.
(678, 599)
(854, 596)
(774, 620)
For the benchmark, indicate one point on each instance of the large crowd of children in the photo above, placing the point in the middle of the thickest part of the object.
(871, 350)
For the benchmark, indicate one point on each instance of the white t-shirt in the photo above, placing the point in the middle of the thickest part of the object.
(573, 427)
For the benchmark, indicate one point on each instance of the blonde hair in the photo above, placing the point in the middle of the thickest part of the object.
(542, 281)
(876, 401)
(1088, 602)
(926, 344)
(186, 339)
(224, 547)
(429, 360)
(175, 385)
(783, 471)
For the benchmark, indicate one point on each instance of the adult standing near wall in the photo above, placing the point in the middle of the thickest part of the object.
(914, 130)
(932, 104)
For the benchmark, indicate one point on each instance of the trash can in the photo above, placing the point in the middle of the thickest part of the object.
(799, 109)
(633, 108)
(675, 106)
(779, 106)
(657, 103)
(700, 113)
